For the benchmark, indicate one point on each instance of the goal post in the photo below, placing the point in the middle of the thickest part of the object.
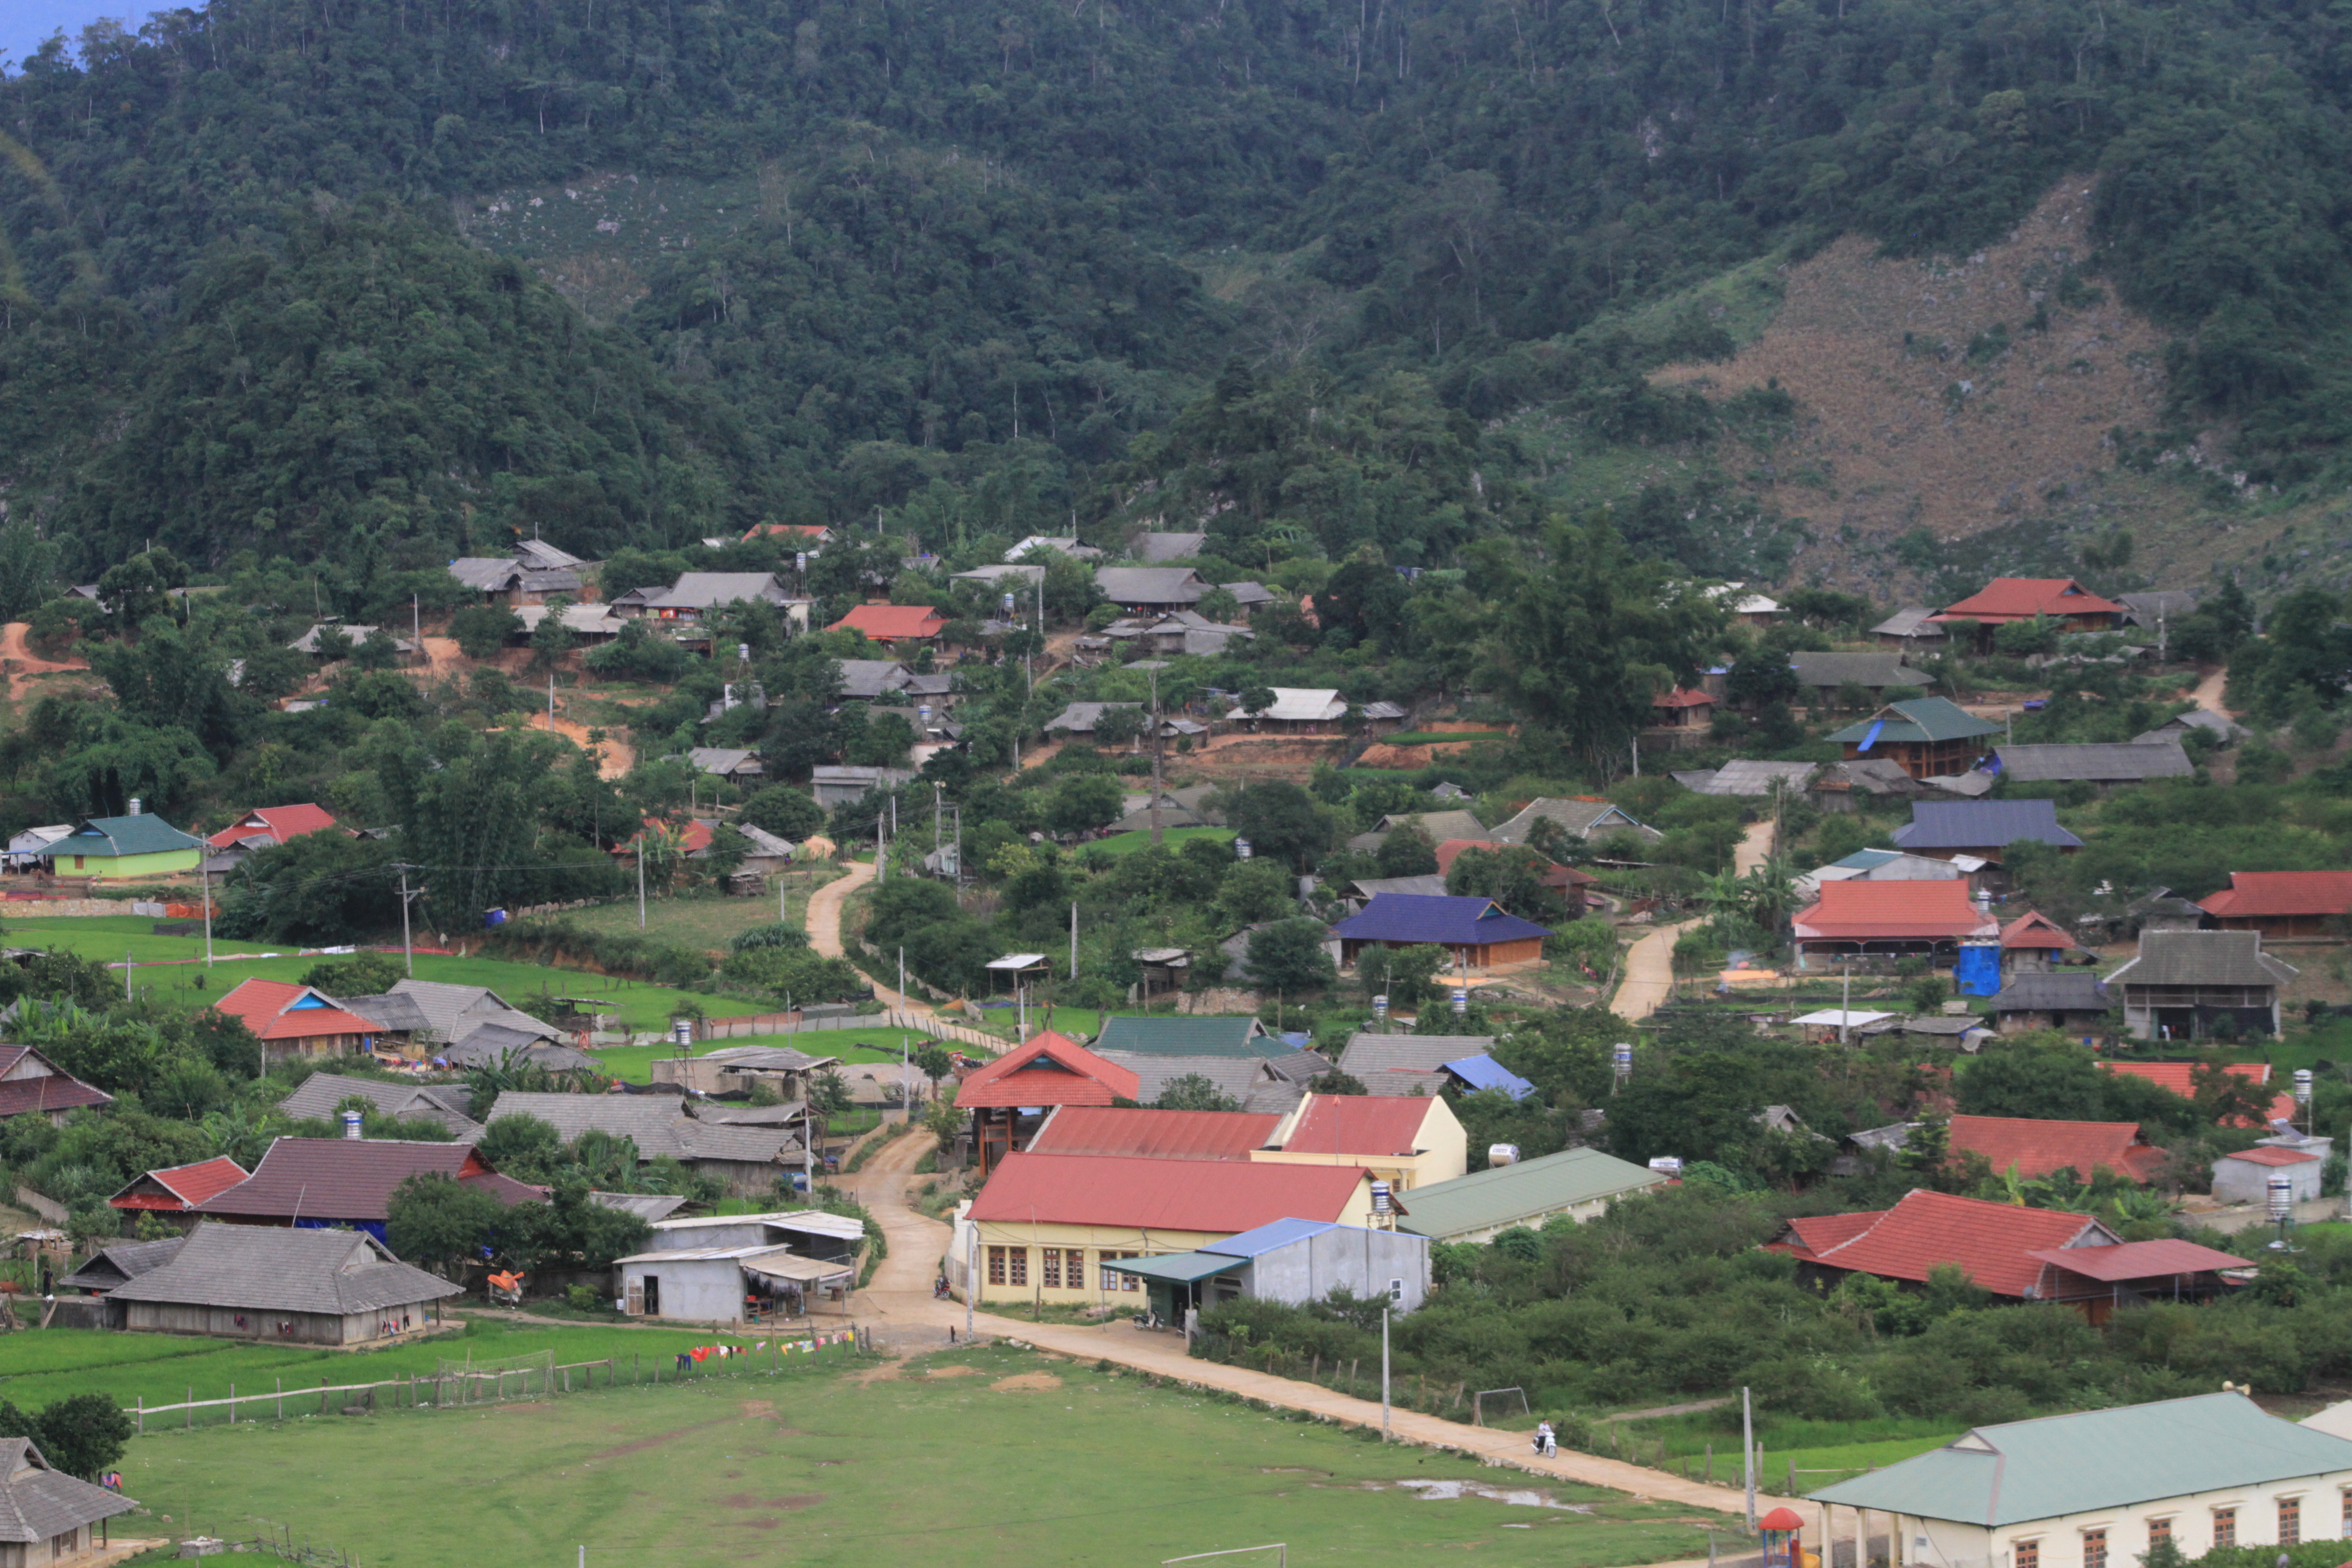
(1478, 1403)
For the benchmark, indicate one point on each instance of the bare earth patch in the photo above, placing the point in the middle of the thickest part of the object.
(1027, 1382)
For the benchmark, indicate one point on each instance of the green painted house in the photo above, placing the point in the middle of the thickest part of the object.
(117, 848)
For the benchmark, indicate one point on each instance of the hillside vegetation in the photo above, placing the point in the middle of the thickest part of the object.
(293, 280)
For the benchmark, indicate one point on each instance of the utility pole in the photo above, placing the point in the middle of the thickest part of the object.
(641, 877)
(1845, 995)
(1074, 939)
(1384, 1381)
(208, 915)
(417, 622)
(1155, 784)
(1747, 1450)
(126, 974)
(407, 947)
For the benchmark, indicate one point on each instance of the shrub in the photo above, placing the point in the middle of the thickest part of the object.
(481, 630)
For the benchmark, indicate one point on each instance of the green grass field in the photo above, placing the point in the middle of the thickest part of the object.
(991, 1456)
(636, 1063)
(1825, 1452)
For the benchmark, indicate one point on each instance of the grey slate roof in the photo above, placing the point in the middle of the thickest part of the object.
(1150, 584)
(539, 555)
(1867, 775)
(709, 590)
(1582, 818)
(720, 760)
(125, 1260)
(1248, 1080)
(1080, 718)
(2154, 759)
(2056, 991)
(1982, 824)
(38, 1503)
(396, 1013)
(1747, 777)
(2202, 958)
(270, 1268)
(1169, 546)
(1250, 596)
(657, 1122)
(871, 677)
(2219, 725)
(1431, 886)
(996, 573)
(1912, 621)
(1400, 1064)
(485, 574)
(647, 1207)
(1875, 671)
(492, 1044)
(322, 1091)
(451, 1012)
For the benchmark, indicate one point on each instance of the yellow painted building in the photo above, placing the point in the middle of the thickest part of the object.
(1406, 1141)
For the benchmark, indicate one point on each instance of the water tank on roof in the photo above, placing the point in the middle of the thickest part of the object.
(352, 1124)
(1381, 1198)
(2282, 1194)
(1667, 1165)
(1502, 1154)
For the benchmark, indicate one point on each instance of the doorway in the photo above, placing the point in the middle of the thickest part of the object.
(653, 1295)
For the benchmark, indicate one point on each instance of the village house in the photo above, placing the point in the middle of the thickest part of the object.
(32, 1085)
(1822, 675)
(2283, 903)
(1750, 777)
(2185, 985)
(1580, 817)
(1154, 589)
(587, 623)
(1476, 933)
(1982, 829)
(118, 849)
(1266, 1086)
(1144, 1133)
(723, 1268)
(902, 628)
(1910, 629)
(312, 1181)
(446, 1106)
(464, 1024)
(1578, 1183)
(264, 827)
(2101, 1487)
(2072, 1001)
(1158, 546)
(2103, 764)
(1837, 785)
(1403, 1064)
(1880, 918)
(1056, 1227)
(2034, 943)
(1438, 826)
(1687, 712)
(1404, 1142)
(2007, 599)
(2181, 1079)
(746, 1159)
(1926, 737)
(697, 596)
(1992, 1244)
(1049, 1070)
(1230, 1036)
(109, 1267)
(172, 1192)
(305, 1287)
(738, 1069)
(48, 1516)
(2245, 1177)
(2034, 1147)
(513, 580)
(293, 1021)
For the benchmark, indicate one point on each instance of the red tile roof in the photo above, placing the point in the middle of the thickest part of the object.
(889, 623)
(694, 835)
(2141, 1259)
(2178, 1077)
(276, 823)
(801, 529)
(1860, 910)
(268, 1009)
(2022, 598)
(2037, 1148)
(2271, 1155)
(1816, 1234)
(177, 1188)
(1219, 1196)
(1992, 1244)
(55, 1089)
(353, 1178)
(1678, 697)
(1051, 1069)
(1103, 1130)
(2033, 929)
(1367, 1126)
(2252, 894)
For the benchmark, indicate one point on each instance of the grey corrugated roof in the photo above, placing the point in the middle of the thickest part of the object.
(485, 574)
(1877, 670)
(492, 1044)
(657, 1123)
(1982, 824)
(997, 573)
(539, 554)
(2156, 758)
(125, 1260)
(1431, 885)
(1909, 622)
(719, 760)
(768, 1059)
(451, 1012)
(1870, 775)
(647, 1207)
(38, 1503)
(870, 677)
(1582, 818)
(1400, 1064)
(1080, 718)
(1240, 1077)
(398, 1014)
(1238, 1036)
(2097, 1459)
(1169, 546)
(270, 1268)
(2202, 958)
(1506, 1194)
(1748, 776)
(1150, 584)
(2058, 990)
(709, 590)
(322, 1091)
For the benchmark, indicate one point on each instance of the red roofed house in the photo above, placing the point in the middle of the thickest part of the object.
(292, 1021)
(2283, 903)
(1051, 1069)
(1406, 1141)
(1053, 1227)
(2006, 599)
(175, 1191)
(1147, 1134)
(892, 624)
(267, 825)
(1860, 917)
(31, 1083)
(1681, 709)
(2036, 1148)
(2034, 943)
(671, 840)
(2181, 1079)
(1992, 1244)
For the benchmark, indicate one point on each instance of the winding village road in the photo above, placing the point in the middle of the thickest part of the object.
(1650, 963)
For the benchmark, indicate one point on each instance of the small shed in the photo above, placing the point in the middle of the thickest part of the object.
(1163, 969)
(2244, 1177)
(721, 1284)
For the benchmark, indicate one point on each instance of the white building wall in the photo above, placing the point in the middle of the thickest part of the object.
(1952, 1543)
(703, 1290)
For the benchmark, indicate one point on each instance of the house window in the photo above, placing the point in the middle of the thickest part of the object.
(2095, 1549)
(1396, 1291)
(2290, 1531)
(996, 1265)
(2346, 1528)
(1112, 1279)
(2225, 1526)
(2159, 1530)
(1016, 1265)
(1050, 1275)
(2025, 1554)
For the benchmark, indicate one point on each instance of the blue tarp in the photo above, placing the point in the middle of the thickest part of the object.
(1976, 971)
(1485, 1072)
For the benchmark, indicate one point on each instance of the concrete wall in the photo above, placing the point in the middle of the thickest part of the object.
(706, 1291)
(2244, 1181)
(1364, 1261)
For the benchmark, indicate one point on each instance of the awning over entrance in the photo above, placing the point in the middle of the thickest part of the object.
(1178, 1267)
(801, 1270)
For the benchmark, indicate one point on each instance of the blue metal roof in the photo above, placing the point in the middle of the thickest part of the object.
(1485, 1072)
(1982, 824)
(1266, 1237)
(1421, 916)
(1868, 859)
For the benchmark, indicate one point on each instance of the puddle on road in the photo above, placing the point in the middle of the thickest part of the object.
(1518, 1497)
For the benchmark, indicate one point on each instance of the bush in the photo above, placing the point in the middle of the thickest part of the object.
(639, 655)
(587, 1299)
(616, 952)
(481, 630)
(363, 975)
(786, 812)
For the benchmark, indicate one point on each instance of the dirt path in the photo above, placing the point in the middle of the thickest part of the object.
(618, 757)
(824, 917)
(2208, 694)
(17, 659)
(1650, 963)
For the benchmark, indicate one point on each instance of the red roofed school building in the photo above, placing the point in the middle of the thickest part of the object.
(2036, 1148)
(1055, 1227)
(2283, 903)
(293, 1021)
(892, 624)
(2017, 1255)
(32, 1085)
(1870, 918)
(2181, 1079)
(2007, 599)
(175, 1191)
(1050, 1070)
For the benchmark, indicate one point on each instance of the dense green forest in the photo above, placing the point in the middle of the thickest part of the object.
(240, 314)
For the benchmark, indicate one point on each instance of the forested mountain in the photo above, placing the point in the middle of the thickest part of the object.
(980, 262)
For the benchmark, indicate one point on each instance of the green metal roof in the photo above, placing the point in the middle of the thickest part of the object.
(2060, 1465)
(1921, 718)
(1528, 1190)
(1179, 1268)
(141, 834)
(1240, 1037)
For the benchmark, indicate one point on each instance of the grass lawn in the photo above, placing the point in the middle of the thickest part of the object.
(1169, 838)
(983, 1457)
(1825, 1452)
(707, 923)
(636, 1063)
